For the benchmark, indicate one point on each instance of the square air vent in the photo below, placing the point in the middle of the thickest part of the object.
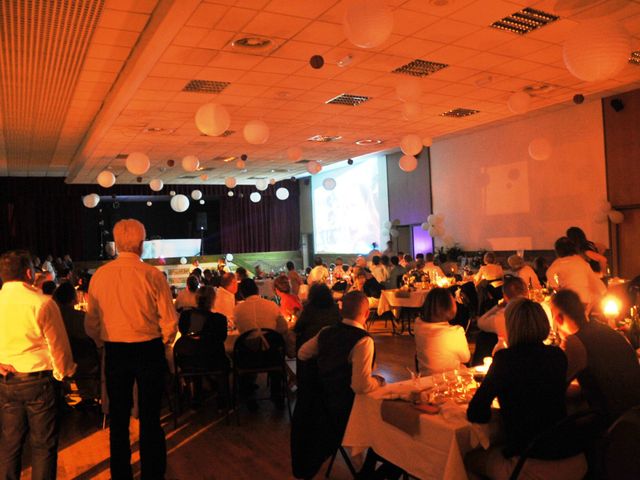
(205, 86)
(324, 138)
(459, 112)
(420, 68)
(525, 21)
(348, 99)
(634, 59)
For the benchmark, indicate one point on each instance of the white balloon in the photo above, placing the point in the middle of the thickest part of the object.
(519, 102)
(294, 153)
(367, 23)
(604, 206)
(183, 261)
(411, 111)
(411, 144)
(229, 257)
(91, 200)
(313, 167)
(436, 219)
(425, 226)
(201, 202)
(149, 203)
(172, 193)
(408, 163)
(262, 184)
(427, 141)
(156, 184)
(394, 232)
(540, 149)
(190, 163)
(137, 163)
(230, 193)
(601, 217)
(409, 89)
(256, 132)
(387, 224)
(196, 194)
(106, 179)
(212, 119)
(597, 50)
(329, 183)
(255, 197)
(282, 193)
(179, 203)
(616, 217)
(230, 182)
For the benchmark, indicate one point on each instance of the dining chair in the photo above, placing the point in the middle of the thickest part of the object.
(621, 447)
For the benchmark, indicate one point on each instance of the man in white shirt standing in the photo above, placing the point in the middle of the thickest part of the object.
(34, 349)
(131, 311)
(225, 301)
(319, 273)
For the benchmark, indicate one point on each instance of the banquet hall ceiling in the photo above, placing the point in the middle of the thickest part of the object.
(84, 83)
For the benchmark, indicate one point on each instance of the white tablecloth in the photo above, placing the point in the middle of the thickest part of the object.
(437, 452)
(390, 302)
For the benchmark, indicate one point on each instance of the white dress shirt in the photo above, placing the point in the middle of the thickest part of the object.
(32, 333)
(380, 273)
(130, 301)
(256, 312)
(440, 347)
(225, 303)
(574, 273)
(433, 270)
(318, 274)
(186, 299)
(360, 357)
(491, 271)
(528, 276)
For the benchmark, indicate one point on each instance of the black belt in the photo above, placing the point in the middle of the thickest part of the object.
(25, 375)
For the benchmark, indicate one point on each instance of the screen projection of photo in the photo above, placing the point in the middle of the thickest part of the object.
(350, 217)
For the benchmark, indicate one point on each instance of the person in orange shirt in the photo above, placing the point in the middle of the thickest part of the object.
(289, 304)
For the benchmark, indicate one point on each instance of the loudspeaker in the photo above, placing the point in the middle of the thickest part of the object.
(201, 221)
(617, 104)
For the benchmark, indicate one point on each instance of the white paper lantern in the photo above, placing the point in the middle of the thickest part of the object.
(425, 226)
(106, 179)
(256, 132)
(411, 111)
(196, 194)
(230, 182)
(190, 163)
(597, 50)
(387, 224)
(201, 202)
(367, 23)
(540, 149)
(230, 193)
(427, 141)
(329, 183)
(183, 261)
(282, 193)
(156, 184)
(229, 257)
(409, 89)
(408, 163)
(91, 200)
(604, 206)
(294, 153)
(240, 164)
(262, 184)
(313, 167)
(601, 217)
(149, 203)
(411, 144)
(172, 193)
(179, 203)
(137, 163)
(255, 197)
(519, 102)
(212, 119)
(394, 232)
(616, 217)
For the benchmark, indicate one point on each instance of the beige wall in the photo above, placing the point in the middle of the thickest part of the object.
(493, 195)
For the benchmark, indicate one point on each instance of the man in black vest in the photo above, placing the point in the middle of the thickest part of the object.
(600, 358)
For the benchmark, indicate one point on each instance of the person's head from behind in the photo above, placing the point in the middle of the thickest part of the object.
(360, 278)
(420, 257)
(375, 260)
(361, 261)
(17, 266)
(207, 274)
(439, 306)
(65, 294)
(197, 272)
(429, 258)
(319, 296)
(48, 287)
(355, 306)
(282, 285)
(192, 283)
(390, 245)
(489, 258)
(395, 261)
(564, 247)
(317, 261)
(248, 288)
(408, 259)
(205, 296)
(577, 236)
(290, 266)
(513, 287)
(241, 273)
(129, 235)
(540, 264)
(526, 323)
(229, 282)
(568, 311)
(339, 262)
(384, 260)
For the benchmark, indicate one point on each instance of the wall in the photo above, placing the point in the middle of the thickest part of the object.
(493, 195)
(409, 193)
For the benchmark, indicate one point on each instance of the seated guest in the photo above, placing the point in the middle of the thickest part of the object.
(490, 271)
(319, 273)
(524, 271)
(48, 287)
(540, 266)
(187, 296)
(222, 266)
(408, 262)
(258, 273)
(396, 273)
(202, 335)
(294, 278)
(319, 311)
(528, 378)
(241, 274)
(225, 298)
(450, 266)
(440, 346)
(432, 269)
(256, 312)
(289, 304)
(571, 272)
(378, 270)
(207, 277)
(389, 250)
(494, 320)
(588, 250)
(197, 272)
(363, 282)
(601, 359)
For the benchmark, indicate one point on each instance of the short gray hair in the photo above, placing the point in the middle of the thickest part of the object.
(129, 235)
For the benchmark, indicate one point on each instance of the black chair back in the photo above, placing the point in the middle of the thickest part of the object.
(259, 348)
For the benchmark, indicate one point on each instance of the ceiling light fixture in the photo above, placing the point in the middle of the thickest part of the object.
(368, 141)
(634, 59)
(345, 61)
(253, 43)
(324, 138)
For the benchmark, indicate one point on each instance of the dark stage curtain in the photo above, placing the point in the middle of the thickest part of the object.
(46, 215)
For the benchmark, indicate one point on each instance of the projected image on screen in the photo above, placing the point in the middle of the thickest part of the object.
(349, 217)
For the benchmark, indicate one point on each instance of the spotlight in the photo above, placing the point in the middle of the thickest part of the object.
(171, 163)
(293, 179)
(617, 104)
(243, 157)
(350, 161)
(578, 98)
(316, 61)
